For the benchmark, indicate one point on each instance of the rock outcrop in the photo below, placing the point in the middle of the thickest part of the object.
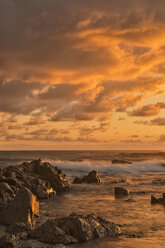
(75, 228)
(160, 200)
(23, 208)
(43, 179)
(92, 177)
(120, 191)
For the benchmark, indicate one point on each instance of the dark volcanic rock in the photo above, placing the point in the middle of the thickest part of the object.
(75, 228)
(118, 161)
(92, 177)
(23, 208)
(120, 191)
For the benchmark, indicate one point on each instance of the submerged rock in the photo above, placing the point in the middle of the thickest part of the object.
(160, 200)
(118, 161)
(75, 228)
(120, 191)
(92, 177)
(23, 208)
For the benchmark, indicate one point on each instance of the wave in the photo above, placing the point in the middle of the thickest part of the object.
(107, 168)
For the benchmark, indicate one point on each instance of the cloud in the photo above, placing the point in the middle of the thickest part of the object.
(148, 110)
(162, 138)
(158, 121)
(80, 61)
(35, 121)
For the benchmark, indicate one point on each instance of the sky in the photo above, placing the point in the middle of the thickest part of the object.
(82, 74)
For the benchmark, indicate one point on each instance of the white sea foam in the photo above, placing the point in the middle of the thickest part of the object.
(109, 169)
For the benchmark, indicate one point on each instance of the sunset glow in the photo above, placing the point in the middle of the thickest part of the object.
(82, 74)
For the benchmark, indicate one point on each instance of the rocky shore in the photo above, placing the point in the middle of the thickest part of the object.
(21, 188)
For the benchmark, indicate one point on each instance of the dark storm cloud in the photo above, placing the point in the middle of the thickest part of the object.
(17, 96)
(41, 33)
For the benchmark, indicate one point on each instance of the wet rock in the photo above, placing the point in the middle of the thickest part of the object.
(130, 200)
(51, 174)
(43, 179)
(19, 229)
(92, 177)
(9, 241)
(86, 227)
(6, 194)
(120, 191)
(75, 228)
(160, 200)
(49, 232)
(118, 161)
(4, 187)
(41, 189)
(23, 208)
(159, 181)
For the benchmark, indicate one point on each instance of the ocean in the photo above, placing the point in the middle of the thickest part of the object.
(143, 224)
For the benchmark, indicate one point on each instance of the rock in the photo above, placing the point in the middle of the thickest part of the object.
(23, 208)
(159, 181)
(120, 191)
(51, 174)
(9, 241)
(42, 179)
(155, 200)
(60, 246)
(41, 189)
(19, 229)
(92, 177)
(6, 188)
(130, 200)
(75, 228)
(49, 232)
(6, 193)
(86, 227)
(118, 161)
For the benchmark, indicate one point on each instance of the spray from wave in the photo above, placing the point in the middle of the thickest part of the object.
(107, 168)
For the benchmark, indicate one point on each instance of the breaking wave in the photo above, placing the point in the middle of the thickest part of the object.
(107, 168)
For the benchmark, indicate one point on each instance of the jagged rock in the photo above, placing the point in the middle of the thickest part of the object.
(6, 193)
(51, 174)
(23, 208)
(120, 191)
(155, 200)
(118, 161)
(41, 189)
(92, 177)
(49, 232)
(42, 179)
(9, 241)
(4, 187)
(85, 227)
(75, 228)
